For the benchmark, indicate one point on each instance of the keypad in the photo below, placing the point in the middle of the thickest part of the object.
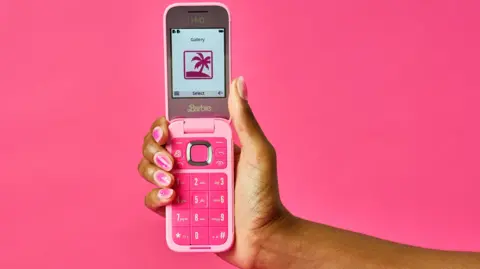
(200, 210)
(200, 213)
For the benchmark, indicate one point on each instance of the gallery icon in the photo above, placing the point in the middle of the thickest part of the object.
(198, 64)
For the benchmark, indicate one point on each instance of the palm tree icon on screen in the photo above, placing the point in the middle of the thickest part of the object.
(198, 64)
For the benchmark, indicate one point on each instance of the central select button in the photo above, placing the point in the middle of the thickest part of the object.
(199, 153)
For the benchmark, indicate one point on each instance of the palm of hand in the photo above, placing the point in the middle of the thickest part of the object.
(257, 203)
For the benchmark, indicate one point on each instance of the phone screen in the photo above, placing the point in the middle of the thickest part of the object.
(198, 63)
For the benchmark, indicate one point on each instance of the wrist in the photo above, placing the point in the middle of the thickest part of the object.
(281, 245)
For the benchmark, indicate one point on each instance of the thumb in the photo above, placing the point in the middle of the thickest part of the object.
(244, 122)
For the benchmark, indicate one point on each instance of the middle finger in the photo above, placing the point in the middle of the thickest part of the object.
(157, 154)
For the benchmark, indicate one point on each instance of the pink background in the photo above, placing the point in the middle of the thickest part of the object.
(381, 98)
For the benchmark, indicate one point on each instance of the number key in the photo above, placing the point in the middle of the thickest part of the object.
(199, 182)
(181, 235)
(182, 182)
(199, 236)
(218, 235)
(218, 217)
(199, 199)
(182, 200)
(218, 182)
(218, 199)
(199, 217)
(181, 217)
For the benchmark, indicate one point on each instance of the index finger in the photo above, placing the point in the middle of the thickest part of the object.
(159, 130)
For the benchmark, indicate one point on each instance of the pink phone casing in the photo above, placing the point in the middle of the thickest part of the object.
(216, 131)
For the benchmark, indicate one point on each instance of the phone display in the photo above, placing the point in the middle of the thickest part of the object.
(198, 63)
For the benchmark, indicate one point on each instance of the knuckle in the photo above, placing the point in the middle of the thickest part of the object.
(145, 150)
(149, 171)
(150, 199)
(162, 120)
(147, 139)
(140, 167)
(145, 201)
(156, 123)
(149, 149)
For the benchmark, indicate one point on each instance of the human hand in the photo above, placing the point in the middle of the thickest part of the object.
(258, 209)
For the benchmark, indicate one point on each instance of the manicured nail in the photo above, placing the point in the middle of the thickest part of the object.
(242, 88)
(161, 178)
(157, 133)
(162, 161)
(165, 193)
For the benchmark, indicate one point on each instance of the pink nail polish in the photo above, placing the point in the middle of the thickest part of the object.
(242, 88)
(165, 193)
(161, 178)
(162, 161)
(157, 133)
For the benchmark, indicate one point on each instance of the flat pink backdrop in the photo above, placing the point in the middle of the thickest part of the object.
(373, 107)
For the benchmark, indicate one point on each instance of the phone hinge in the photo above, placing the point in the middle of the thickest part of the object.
(194, 125)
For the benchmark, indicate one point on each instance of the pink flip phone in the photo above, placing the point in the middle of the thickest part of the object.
(197, 76)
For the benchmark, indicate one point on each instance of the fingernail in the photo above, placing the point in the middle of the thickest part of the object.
(242, 88)
(161, 178)
(165, 193)
(157, 133)
(162, 161)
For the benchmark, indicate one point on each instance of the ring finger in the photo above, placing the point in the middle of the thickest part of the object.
(155, 175)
